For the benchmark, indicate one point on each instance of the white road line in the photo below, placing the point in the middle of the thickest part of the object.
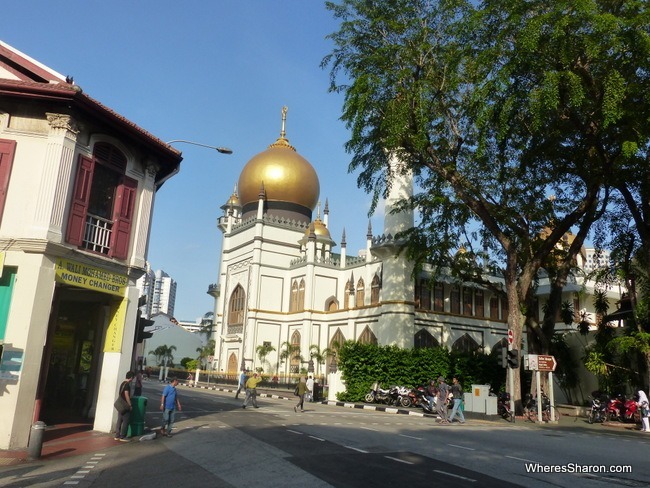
(317, 438)
(355, 449)
(462, 447)
(411, 437)
(294, 432)
(368, 428)
(521, 459)
(453, 475)
(398, 460)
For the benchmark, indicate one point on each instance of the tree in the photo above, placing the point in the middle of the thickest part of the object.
(164, 355)
(289, 352)
(319, 356)
(263, 351)
(510, 115)
(205, 352)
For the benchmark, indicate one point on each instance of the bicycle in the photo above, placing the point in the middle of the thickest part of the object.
(530, 409)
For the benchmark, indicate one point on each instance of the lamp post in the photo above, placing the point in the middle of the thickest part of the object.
(222, 150)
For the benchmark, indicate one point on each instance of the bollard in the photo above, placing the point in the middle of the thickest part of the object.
(36, 440)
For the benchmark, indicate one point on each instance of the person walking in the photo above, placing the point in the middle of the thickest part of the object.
(309, 396)
(644, 405)
(169, 403)
(251, 390)
(242, 383)
(122, 427)
(457, 392)
(441, 400)
(302, 391)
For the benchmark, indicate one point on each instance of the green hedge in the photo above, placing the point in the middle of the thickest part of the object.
(363, 364)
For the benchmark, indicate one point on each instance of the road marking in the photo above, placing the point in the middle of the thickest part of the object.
(368, 428)
(294, 432)
(521, 459)
(355, 449)
(317, 438)
(398, 460)
(462, 447)
(411, 437)
(453, 475)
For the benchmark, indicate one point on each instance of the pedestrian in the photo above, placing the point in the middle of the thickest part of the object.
(242, 383)
(251, 390)
(169, 403)
(301, 391)
(457, 392)
(137, 382)
(441, 400)
(122, 427)
(310, 389)
(644, 405)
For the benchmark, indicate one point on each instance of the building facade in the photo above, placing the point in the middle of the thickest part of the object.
(77, 187)
(281, 283)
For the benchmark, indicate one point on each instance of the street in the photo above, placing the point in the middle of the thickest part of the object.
(219, 444)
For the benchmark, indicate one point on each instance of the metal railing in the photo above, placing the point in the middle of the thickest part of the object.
(97, 234)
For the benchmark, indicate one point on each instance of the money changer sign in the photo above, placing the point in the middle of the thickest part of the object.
(90, 277)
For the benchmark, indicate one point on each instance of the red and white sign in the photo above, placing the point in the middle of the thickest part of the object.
(511, 336)
(546, 362)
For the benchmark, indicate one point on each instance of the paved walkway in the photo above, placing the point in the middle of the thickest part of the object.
(73, 439)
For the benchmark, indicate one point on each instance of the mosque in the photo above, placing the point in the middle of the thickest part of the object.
(283, 287)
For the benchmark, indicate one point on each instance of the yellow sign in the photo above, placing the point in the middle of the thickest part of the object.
(116, 327)
(90, 277)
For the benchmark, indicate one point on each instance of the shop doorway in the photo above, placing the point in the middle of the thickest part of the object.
(72, 357)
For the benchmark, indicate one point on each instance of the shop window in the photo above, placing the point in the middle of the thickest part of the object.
(103, 202)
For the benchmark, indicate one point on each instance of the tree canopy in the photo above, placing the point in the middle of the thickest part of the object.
(514, 118)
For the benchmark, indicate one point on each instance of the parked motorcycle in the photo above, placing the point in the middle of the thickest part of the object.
(598, 412)
(418, 398)
(616, 408)
(503, 406)
(403, 398)
(631, 410)
(377, 394)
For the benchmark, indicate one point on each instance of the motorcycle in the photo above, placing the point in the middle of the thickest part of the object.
(503, 406)
(615, 408)
(402, 396)
(377, 394)
(631, 411)
(598, 412)
(418, 398)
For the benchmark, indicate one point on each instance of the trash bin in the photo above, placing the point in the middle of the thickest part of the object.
(136, 421)
(317, 394)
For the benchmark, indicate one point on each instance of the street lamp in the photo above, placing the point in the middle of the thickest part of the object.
(222, 150)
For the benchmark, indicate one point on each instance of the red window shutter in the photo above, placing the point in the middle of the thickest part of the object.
(123, 217)
(7, 151)
(80, 198)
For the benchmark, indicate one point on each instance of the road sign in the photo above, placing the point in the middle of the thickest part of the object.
(511, 336)
(546, 362)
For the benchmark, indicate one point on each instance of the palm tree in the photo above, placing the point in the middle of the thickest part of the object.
(289, 352)
(263, 351)
(319, 356)
(205, 351)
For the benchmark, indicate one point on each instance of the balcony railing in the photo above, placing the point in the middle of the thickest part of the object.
(97, 236)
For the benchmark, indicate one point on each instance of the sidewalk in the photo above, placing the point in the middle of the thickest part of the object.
(73, 439)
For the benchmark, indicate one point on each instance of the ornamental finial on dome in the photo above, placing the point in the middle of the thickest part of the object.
(282, 140)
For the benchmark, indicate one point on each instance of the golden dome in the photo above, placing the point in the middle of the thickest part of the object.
(319, 229)
(285, 175)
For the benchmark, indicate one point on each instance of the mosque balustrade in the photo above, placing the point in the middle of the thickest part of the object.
(235, 329)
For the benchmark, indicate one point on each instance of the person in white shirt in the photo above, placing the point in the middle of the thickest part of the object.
(310, 388)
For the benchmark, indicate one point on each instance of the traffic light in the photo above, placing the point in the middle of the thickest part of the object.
(513, 358)
(504, 357)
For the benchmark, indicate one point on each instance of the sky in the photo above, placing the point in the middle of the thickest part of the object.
(216, 72)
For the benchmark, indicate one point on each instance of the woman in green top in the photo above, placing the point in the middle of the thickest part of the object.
(302, 389)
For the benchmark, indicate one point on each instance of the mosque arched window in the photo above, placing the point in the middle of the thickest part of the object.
(439, 297)
(466, 344)
(293, 299)
(361, 293)
(423, 339)
(375, 286)
(294, 363)
(367, 337)
(454, 300)
(236, 306)
(301, 295)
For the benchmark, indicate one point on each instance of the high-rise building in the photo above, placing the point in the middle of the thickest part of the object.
(164, 294)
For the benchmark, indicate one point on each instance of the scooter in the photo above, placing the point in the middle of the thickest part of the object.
(503, 406)
(598, 412)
